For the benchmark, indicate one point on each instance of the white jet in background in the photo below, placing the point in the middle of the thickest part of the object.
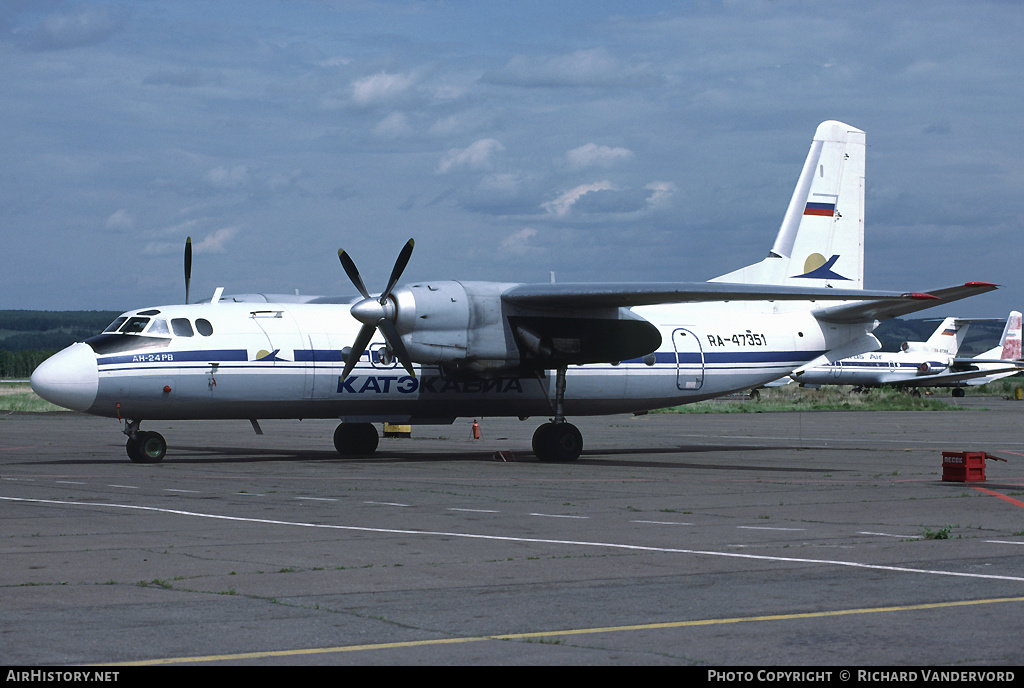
(933, 363)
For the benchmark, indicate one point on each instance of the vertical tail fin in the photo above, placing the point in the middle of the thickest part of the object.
(1011, 339)
(821, 240)
(949, 335)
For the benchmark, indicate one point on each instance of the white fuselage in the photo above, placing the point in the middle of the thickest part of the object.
(876, 369)
(248, 360)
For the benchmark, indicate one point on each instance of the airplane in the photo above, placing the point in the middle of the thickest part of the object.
(433, 351)
(933, 363)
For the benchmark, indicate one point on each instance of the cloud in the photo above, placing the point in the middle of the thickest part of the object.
(382, 87)
(394, 125)
(475, 157)
(593, 155)
(593, 67)
(518, 243)
(84, 25)
(213, 243)
(564, 203)
(224, 178)
(604, 197)
(120, 220)
(660, 194)
(216, 242)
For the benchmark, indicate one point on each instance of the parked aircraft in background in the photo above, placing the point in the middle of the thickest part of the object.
(933, 363)
(433, 351)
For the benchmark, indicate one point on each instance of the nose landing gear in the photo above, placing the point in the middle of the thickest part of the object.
(144, 447)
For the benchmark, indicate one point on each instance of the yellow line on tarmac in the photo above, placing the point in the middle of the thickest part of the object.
(551, 634)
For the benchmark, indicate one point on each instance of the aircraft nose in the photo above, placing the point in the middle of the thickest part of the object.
(69, 378)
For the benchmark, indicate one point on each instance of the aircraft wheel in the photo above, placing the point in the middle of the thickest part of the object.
(146, 447)
(355, 439)
(557, 443)
(958, 392)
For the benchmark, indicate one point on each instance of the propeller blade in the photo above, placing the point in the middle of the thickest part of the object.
(188, 266)
(376, 314)
(353, 273)
(400, 264)
(362, 339)
(394, 340)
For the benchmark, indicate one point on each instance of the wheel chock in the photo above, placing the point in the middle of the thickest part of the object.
(965, 467)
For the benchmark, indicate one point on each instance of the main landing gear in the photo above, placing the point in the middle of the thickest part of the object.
(144, 447)
(356, 439)
(554, 442)
(558, 441)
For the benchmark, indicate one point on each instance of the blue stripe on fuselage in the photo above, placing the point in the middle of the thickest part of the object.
(335, 356)
(205, 355)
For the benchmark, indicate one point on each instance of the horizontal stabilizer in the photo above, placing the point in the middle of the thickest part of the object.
(946, 379)
(875, 309)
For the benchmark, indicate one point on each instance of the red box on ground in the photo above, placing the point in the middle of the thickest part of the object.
(963, 467)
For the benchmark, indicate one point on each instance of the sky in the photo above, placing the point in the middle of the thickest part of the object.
(599, 141)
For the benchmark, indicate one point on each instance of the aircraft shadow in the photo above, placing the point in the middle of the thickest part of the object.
(194, 454)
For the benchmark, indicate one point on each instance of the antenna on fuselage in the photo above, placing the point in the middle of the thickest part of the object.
(188, 266)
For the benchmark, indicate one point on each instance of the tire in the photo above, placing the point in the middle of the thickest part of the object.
(558, 443)
(147, 447)
(356, 439)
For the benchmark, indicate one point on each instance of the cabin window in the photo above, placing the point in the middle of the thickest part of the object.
(113, 327)
(134, 325)
(182, 327)
(204, 327)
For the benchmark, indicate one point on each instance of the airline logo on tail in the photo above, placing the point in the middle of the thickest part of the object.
(816, 267)
(1012, 340)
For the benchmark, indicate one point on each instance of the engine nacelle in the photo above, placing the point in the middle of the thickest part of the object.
(931, 367)
(916, 348)
(466, 327)
(457, 324)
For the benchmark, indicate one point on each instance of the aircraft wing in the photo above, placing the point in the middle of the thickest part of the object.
(947, 378)
(964, 362)
(577, 296)
(579, 323)
(884, 309)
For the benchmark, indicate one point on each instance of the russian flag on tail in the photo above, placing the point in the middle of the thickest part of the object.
(823, 209)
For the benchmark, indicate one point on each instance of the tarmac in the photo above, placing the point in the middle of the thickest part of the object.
(814, 539)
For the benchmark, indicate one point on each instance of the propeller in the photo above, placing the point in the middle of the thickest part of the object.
(379, 313)
(188, 265)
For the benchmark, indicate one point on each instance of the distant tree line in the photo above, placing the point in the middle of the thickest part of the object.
(20, 364)
(45, 321)
(27, 338)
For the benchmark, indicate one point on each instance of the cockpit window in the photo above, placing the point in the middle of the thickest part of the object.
(134, 325)
(159, 327)
(204, 327)
(112, 327)
(182, 327)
